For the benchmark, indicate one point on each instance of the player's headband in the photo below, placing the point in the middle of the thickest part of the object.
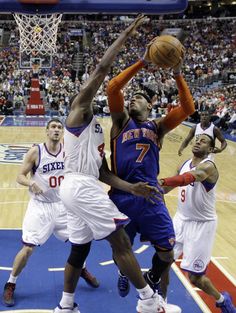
(143, 94)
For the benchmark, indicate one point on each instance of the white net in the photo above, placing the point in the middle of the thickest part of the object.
(38, 33)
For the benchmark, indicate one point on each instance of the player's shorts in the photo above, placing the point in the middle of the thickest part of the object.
(195, 240)
(42, 219)
(151, 220)
(91, 214)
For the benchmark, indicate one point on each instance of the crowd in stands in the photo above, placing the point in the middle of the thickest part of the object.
(210, 53)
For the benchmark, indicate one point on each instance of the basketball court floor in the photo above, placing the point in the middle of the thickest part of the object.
(40, 285)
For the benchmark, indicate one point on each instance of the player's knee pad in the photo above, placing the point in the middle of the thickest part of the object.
(78, 254)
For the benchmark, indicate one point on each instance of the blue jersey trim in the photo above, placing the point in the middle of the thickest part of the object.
(183, 165)
(78, 129)
(55, 155)
(208, 186)
(195, 273)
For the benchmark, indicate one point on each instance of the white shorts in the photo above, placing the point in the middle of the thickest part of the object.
(91, 213)
(195, 241)
(42, 219)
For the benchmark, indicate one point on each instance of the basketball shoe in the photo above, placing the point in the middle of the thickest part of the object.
(151, 305)
(170, 308)
(123, 285)
(89, 278)
(156, 304)
(227, 305)
(8, 294)
(59, 309)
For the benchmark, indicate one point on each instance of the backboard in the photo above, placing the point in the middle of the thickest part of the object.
(27, 60)
(94, 6)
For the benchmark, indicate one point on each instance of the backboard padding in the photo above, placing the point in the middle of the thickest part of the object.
(97, 6)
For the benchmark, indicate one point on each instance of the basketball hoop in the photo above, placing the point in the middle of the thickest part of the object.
(38, 32)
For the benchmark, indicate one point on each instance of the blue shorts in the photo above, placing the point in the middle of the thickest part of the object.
(152, 221)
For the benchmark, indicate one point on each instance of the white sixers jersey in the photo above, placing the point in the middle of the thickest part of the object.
(48, 174)
(209, 131)
(196, 201)
(84, 153)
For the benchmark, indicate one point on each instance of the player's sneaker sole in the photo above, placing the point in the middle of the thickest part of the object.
(59, 309)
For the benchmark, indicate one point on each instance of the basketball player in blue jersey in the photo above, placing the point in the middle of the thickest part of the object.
(91, 214)
(45, 213)
(196, 219)
(135, 146)
(204, 127)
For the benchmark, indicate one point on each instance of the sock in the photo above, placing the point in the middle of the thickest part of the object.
(67, 300)
(145, 292)
(221, 299)
(12, 279)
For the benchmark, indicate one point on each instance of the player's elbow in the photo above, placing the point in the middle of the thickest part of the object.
(19, 179)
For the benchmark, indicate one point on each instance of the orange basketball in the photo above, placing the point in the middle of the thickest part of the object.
(166, 51)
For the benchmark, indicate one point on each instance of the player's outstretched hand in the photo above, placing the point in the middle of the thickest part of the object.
(131, 29)
(151, 193)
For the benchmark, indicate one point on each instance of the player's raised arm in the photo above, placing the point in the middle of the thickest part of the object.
(176, 116)
(81, 108)
(218, 134)
(187, 140)
(115, 94)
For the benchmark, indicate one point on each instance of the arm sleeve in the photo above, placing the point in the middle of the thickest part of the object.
(114, 93)
(178, 180)
(186, 108)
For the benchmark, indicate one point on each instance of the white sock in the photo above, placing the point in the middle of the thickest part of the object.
(146, 292)
(67, 300)
(221, 299)
(12, 279)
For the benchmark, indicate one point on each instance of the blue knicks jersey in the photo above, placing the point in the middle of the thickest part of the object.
(135, 152)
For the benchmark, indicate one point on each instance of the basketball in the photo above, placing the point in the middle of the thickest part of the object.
(166, 51)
